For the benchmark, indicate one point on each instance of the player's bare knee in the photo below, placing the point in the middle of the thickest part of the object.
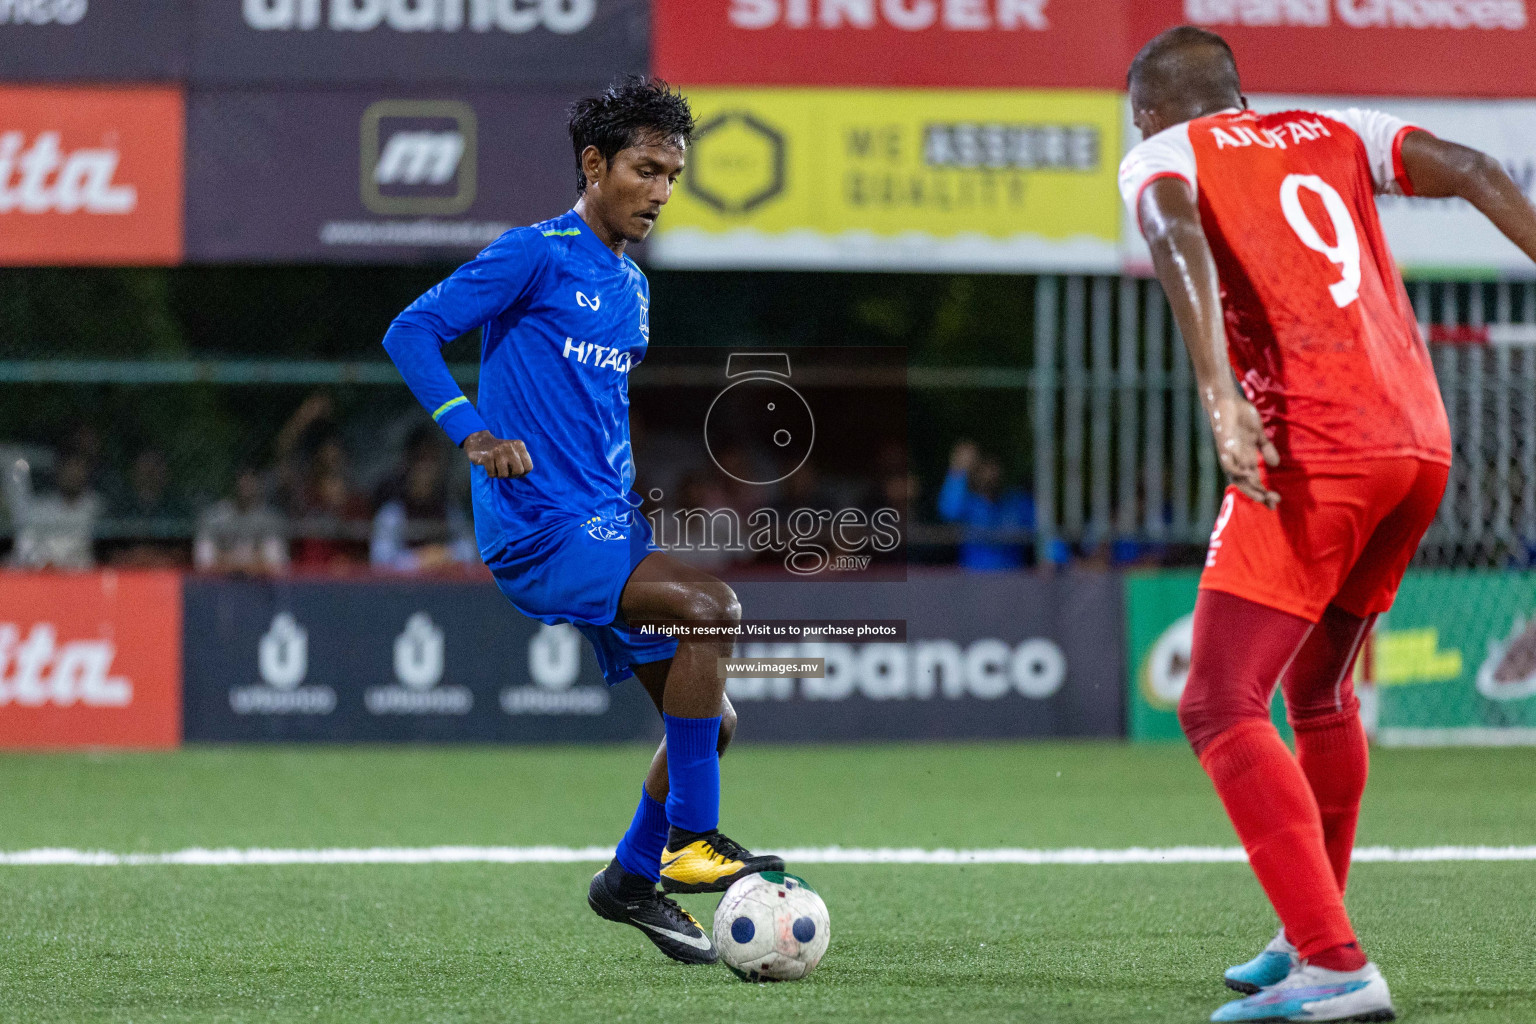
(712, 602)
(727, 607)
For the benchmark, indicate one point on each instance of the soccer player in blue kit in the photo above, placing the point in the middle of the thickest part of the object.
(565, 316)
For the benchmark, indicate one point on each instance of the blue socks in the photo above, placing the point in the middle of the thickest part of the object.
(693, 773)
(693, 800)
(640, 850)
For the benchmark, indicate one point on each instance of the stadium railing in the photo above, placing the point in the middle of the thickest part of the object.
(1122, 447)
(1119, 447)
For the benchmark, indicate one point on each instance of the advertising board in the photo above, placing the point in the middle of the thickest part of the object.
(392, 661)
(90, 176)
(1362, 47)
(94, 40)
(90, 660)
(1453, 662)
(900, 180)
(929, 43)
(424, 42)
(986, 656)
(376, 177)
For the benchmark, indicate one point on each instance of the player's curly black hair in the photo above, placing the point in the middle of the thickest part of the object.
(631, 110)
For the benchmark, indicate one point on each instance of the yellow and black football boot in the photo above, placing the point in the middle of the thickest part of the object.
(708, 862)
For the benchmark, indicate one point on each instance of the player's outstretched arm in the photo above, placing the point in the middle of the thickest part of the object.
(1182, 258)
(1439, 170)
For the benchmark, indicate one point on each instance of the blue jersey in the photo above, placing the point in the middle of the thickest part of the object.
(565, 319)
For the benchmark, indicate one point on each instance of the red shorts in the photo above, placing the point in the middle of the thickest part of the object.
(1344, 534)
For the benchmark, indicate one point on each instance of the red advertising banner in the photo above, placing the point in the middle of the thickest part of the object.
(90, 176)
(1364, 47)
(943, 43)
(1350, 47)
(90, 660)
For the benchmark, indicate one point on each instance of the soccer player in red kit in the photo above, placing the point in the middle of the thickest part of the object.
(1264, 234)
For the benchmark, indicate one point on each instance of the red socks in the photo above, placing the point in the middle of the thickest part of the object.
(1330, 741)
(1333, 755)
(1348, 957)
(1295, 815)
(1276, 816)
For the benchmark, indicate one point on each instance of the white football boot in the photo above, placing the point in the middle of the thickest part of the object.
(1315, 993)
(1268, 968)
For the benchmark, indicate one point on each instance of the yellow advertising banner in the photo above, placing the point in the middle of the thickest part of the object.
(898, 179)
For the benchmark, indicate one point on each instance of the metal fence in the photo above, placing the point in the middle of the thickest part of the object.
(1487, 371)
(1123, 449)
(1119, 447)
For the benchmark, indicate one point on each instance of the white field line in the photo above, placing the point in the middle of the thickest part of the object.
(809, 855)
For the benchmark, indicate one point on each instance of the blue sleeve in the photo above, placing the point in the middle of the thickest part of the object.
(471, 297)
(952, 496)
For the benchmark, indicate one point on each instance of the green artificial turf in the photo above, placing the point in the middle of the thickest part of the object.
(483, 942)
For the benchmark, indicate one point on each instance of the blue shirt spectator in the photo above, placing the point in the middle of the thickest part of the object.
(971, 496)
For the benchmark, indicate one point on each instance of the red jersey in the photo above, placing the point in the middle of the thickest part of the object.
(1320, 331)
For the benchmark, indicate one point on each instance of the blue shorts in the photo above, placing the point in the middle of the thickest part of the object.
(574, 572)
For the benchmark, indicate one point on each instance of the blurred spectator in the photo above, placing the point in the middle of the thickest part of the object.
(332, 517)
(152, 511)
(692, 531)
(328, 520)
(895, 487)
(313, 415)
(736, 483)
(417, 527)
(84, 440)
(53, 530)
(1129, 552)
(149, 494)
(241, 533)
(972, 495)
(805, 488)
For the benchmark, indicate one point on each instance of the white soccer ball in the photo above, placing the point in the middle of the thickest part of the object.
(771, 927)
